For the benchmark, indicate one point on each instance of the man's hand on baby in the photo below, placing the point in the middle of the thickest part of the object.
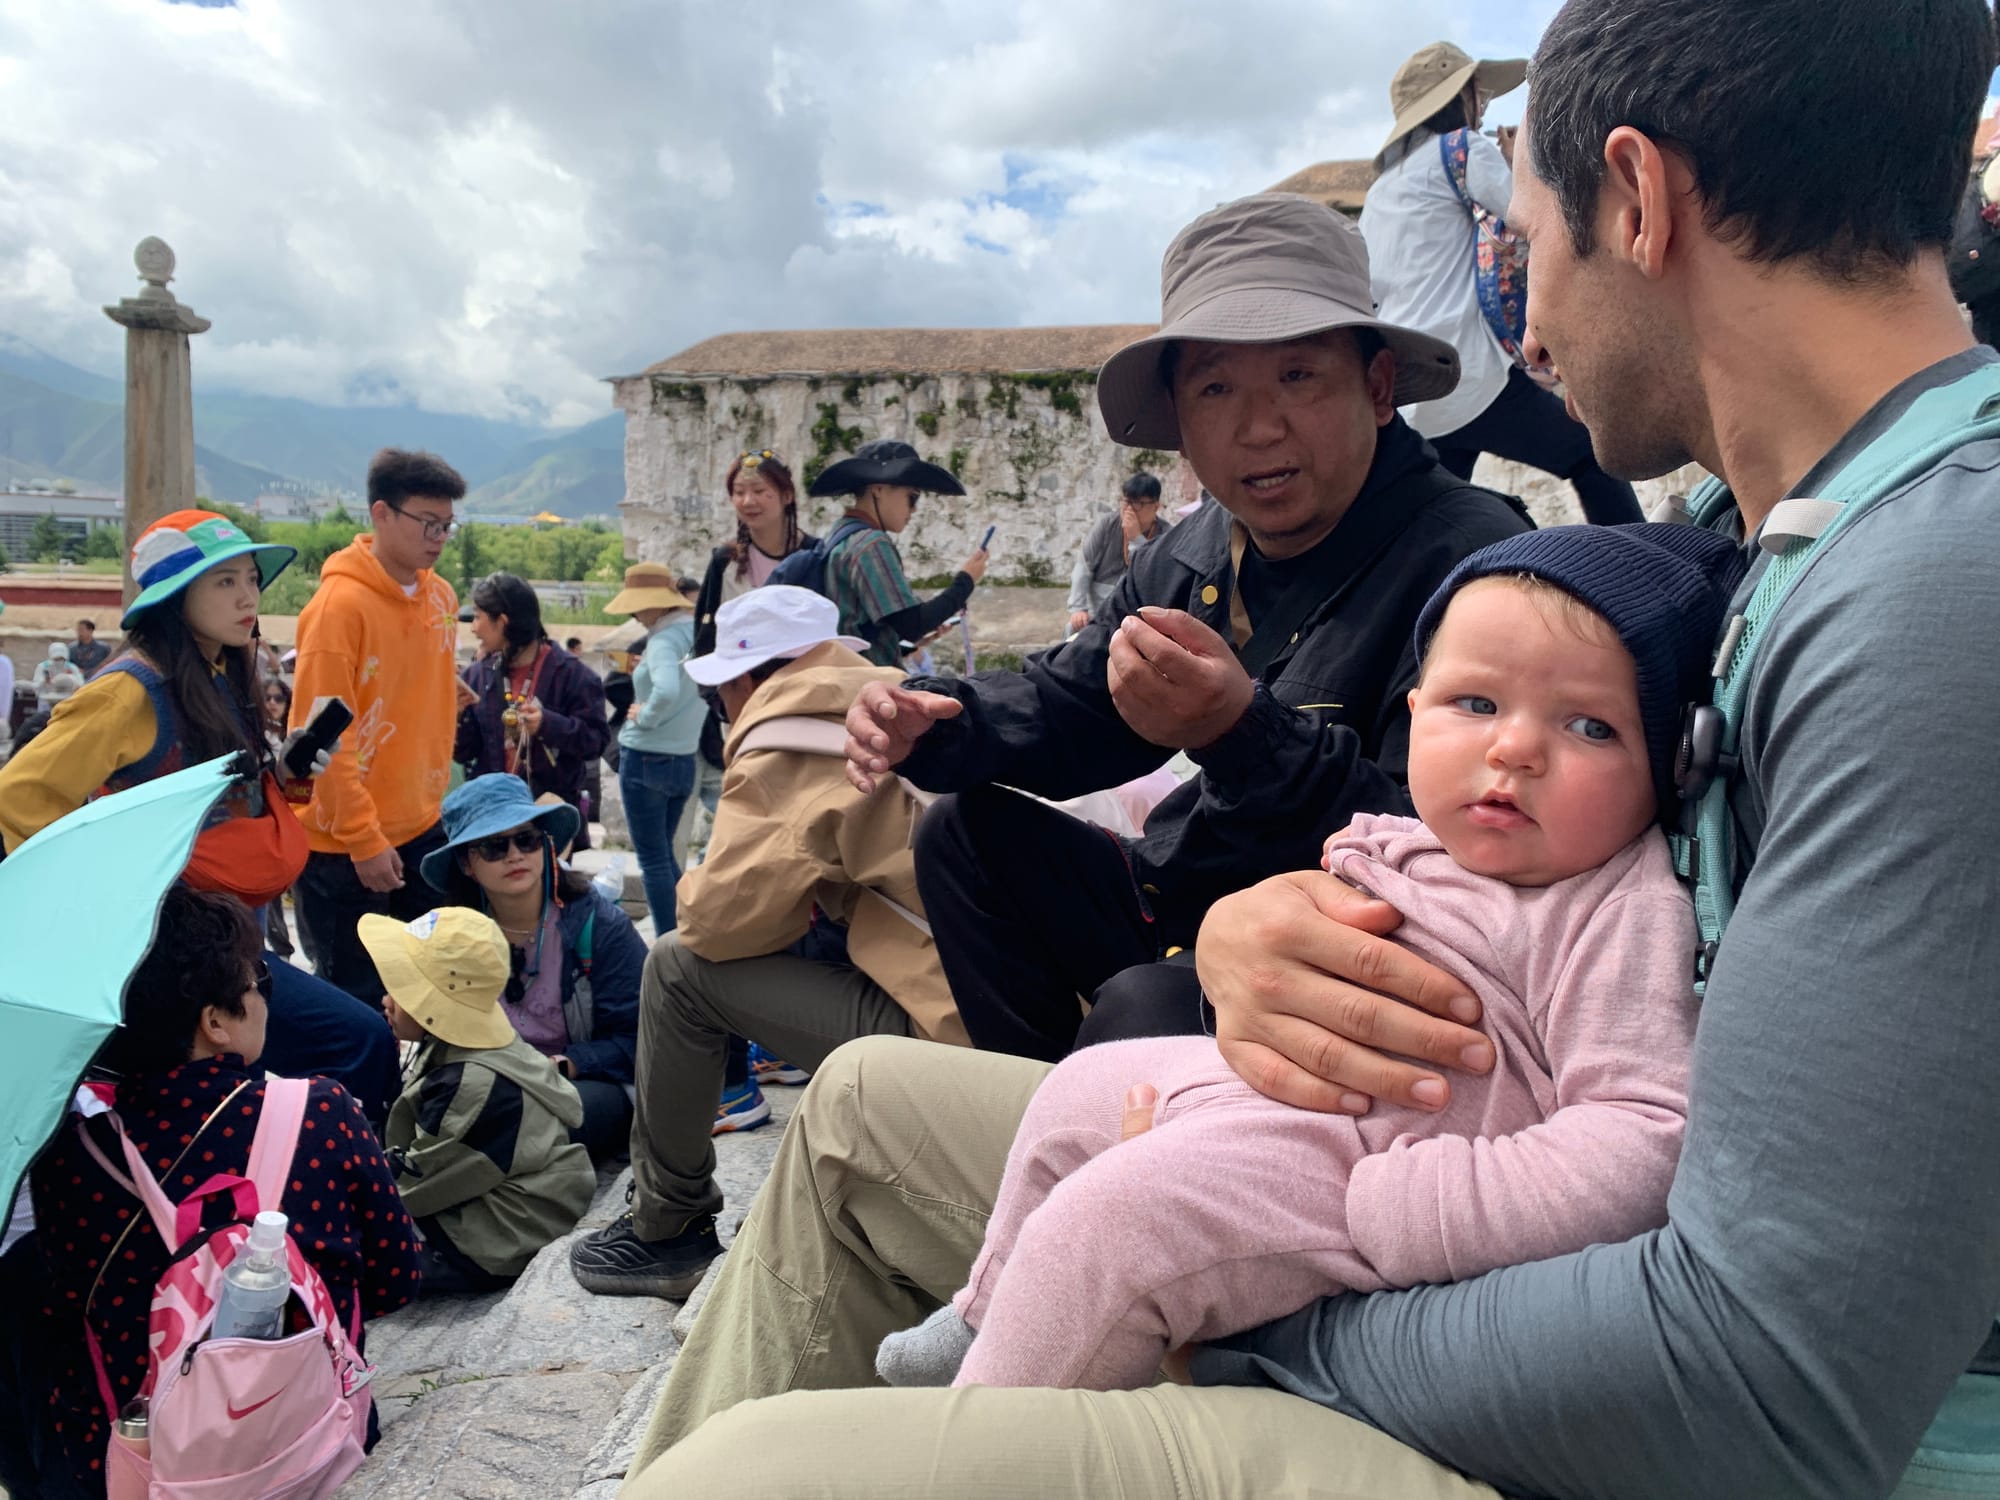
(1315, 1007)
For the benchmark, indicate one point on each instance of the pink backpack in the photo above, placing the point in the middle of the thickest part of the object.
(252, 1419)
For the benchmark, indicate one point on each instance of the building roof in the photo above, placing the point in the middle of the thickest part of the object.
(1337, 184)
(903, 351)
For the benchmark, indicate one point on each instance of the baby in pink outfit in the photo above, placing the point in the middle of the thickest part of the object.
(1555, 667)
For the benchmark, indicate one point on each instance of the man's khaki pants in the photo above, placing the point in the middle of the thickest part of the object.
(870, 1219)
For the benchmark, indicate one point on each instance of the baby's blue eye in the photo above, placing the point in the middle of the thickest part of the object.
(1592, 729)
(1476, 705)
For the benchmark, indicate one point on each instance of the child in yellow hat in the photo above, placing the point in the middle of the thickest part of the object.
(480, 1139)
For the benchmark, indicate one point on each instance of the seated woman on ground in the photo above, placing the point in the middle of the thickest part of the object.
(189, 1094)
(574, 994)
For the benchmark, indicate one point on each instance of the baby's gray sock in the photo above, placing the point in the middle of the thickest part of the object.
(928, 1354)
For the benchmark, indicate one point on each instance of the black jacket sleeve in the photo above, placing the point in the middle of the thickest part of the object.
(919, 621)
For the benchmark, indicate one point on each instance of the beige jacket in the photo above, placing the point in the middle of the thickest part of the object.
(791, 832)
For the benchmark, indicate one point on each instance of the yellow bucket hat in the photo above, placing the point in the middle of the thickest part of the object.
(446, 971)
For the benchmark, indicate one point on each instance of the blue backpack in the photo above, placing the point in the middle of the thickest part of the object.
(807, 567)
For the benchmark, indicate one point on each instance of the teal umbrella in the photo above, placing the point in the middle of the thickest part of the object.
(62, 986)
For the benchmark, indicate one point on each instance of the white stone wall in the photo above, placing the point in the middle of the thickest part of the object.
(1035, 460)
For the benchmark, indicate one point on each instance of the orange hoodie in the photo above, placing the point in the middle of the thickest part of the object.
(391, 658)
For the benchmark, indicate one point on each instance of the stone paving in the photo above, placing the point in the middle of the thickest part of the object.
(542, 1390)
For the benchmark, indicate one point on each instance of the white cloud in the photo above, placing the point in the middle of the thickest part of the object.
(484, 205)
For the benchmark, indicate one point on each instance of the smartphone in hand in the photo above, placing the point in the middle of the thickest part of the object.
(987, 540)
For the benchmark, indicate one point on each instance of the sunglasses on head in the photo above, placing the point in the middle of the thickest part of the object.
(261, 977)
(748, 460)
(493, 850)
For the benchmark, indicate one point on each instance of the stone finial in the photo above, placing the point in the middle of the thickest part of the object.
(156, 307)
(155, 259)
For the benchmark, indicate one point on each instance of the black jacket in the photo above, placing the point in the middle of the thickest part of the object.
(574, 728)
(1325, 736)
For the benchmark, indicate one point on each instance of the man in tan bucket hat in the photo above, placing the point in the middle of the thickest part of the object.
(1269, 636)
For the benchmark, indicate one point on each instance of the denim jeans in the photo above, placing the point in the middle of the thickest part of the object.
(656, 787)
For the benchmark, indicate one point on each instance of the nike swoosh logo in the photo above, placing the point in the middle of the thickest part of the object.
(237, 1416)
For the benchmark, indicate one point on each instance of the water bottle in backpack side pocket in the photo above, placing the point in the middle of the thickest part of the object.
(256, 1285)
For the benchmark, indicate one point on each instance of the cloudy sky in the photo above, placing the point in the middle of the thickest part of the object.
(486, 205)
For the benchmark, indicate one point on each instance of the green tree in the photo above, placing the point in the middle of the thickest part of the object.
(104, 541)
(45, 542)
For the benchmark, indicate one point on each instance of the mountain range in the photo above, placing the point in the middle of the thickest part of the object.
(61, 422)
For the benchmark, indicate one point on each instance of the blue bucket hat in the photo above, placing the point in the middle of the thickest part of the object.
(490, 804)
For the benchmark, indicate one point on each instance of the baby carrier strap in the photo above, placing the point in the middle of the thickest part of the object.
(1936, 424)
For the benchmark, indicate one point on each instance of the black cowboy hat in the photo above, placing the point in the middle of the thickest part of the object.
(885, 461)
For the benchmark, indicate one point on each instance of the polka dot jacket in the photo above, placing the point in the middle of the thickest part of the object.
(345, 1216)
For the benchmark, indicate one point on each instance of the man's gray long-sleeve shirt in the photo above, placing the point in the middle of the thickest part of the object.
(1832, 1256)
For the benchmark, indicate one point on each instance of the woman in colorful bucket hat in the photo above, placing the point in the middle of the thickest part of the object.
(572, 990)
(183, 691)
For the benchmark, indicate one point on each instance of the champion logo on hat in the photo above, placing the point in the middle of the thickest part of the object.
(777, 620)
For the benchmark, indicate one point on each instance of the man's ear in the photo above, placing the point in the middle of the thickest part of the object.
(1642, 189)
(1381, 380)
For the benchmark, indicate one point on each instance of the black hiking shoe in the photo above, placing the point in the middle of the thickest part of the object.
(615, 1262)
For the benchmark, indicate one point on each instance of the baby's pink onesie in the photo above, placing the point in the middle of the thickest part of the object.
(1234, 1209)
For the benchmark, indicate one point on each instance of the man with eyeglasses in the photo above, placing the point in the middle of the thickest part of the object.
(381, 635)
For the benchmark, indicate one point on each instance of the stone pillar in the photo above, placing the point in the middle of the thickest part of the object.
(159, 400)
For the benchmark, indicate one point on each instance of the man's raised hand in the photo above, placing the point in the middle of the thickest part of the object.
(884, 723)
(1175, 681)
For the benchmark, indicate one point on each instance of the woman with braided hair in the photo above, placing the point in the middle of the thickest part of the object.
(766, 503)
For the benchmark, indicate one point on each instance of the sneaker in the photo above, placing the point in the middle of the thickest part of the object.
(742, 1108)
(615, 1262)
(765, 1068)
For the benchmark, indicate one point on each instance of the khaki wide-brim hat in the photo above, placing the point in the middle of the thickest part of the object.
(647, 586)
(1262, 270)
(1438, 74)
(446, 971)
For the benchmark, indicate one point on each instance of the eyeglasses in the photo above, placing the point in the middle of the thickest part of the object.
(522, 840)
(434, 531)
(261, 977)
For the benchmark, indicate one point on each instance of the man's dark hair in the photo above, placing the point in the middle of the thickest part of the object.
(204, 953)
(1834, 131)
(1141, 486)
(396, 475)
(572, 644)
(504, 594)
(90, 625)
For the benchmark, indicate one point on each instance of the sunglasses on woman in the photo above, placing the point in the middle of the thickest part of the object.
(261, 977)
(521, 840)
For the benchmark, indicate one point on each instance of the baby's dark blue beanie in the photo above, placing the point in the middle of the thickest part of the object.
(1664, 588)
